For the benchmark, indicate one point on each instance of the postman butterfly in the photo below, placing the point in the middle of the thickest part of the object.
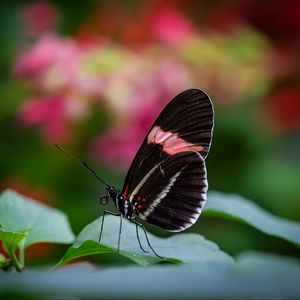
(166, 184)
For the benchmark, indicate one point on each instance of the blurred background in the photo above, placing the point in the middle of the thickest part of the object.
(93, 75)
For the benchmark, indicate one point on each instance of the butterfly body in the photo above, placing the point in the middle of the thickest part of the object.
(123, 205)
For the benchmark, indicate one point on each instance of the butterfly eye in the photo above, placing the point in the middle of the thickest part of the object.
(103, 200)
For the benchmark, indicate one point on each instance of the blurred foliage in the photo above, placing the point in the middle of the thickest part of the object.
(93, 75)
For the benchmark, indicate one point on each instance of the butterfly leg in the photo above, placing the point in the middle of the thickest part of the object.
(138, 238)
(148, 242)
(102, 223)
(120, 230)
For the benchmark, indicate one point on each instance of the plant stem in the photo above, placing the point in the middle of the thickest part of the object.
(16, 262)
(22, 256)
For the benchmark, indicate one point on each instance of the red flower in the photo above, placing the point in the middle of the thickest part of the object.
(171, 26)
(283, 110)
(38, 17)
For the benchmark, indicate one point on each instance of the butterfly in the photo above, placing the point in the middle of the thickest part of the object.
(166, 184)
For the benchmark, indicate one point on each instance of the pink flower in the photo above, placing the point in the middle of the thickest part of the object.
(135, 102)
(171, 26)
(174, 76)
(42, 110)
(119, 144)
(59, 71)
(48, 112)
(39, 17)
(38, 58)
(117, 147)
(47, 52)
(57, 131)
(56, 65)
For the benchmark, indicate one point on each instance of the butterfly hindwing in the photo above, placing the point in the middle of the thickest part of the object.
(185, 124)
(173, 193)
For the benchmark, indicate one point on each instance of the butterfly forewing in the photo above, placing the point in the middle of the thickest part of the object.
(185, 124)
(190, 115)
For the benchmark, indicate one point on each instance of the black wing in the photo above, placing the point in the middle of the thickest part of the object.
(185, 124)
(173, 192)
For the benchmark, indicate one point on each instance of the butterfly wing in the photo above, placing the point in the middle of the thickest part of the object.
(185, 124)
(173, 193)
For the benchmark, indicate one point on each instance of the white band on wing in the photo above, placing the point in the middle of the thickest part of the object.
(160, 196)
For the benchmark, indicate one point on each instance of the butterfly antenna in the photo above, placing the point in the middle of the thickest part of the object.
(82, 163)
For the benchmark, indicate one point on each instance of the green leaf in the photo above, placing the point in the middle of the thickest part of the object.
(180, 247)
(252, 276)
(11, 239)
(86, 248)
(44, 224)
(240, 209)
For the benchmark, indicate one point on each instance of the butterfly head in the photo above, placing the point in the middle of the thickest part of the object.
(122, 203)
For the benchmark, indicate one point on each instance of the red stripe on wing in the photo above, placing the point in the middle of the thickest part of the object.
(171, 142)
(126, 191)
